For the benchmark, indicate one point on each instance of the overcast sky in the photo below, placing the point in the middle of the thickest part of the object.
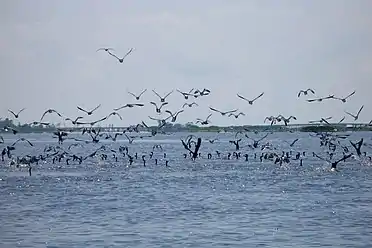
(48, 57)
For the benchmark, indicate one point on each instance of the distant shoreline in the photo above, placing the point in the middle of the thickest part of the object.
(193, 128)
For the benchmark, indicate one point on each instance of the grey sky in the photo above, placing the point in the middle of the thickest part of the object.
(48, 56)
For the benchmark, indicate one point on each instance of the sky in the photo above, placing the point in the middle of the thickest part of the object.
(48, 57)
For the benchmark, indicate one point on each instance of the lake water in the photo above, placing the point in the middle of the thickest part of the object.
(207, 203)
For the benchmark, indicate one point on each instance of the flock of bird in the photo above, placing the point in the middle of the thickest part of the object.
(254, 147)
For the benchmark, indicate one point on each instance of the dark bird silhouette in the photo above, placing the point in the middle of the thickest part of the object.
(137, 96)
(162, 99)
(130, 105)
(203, 122)
(186, 94)
(74, 122)
(236, 115)
(305, 92)
(321, 99)
(189, 104)
(334, 164)
(115, 114)
(158, 109)
(49, 111)
(174, 116)
(250, 101)
(121, 60)
(16, 115)
(356, 117)
(221, 112)
(345, 98)
(88, 112)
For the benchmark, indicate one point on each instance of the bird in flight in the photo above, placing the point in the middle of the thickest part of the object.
(89, 112)
(105, 49)
(130, 105)
(16, 115)
(121, 60)
(158, 109)
(137, 96)
(305, 92)
(345, 98)
(250, 101)
(221, 112)
(356, 117)
(203, 122)
(162, 99)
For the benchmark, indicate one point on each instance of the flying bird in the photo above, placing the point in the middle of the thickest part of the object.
(356, 117)
(203, 122)
(250, 101)
(130, 105)
(189, 104)
(162, 99)
(137, 96)
(174, 116)
(345, 98)
(221, 112)
(16, 115)
(105, 49)
(236, 115)
(89, 112)
(49, 111)
(158, 109)
(305, 92)
(121, 60)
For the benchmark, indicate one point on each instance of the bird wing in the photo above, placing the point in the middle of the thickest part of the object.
(168, 94)
(352, 93)
(142, 92)
(216, 110)
(156, 93)
(360, 110)
(242, 97)
(258, 97)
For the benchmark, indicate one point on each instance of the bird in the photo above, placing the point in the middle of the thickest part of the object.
(285, 120)
(356, 117)
(158, 109)
(174, 116)
(137, 96)
(88, 112)
(221, 112)
(115, 113)
(321, 99)
(345, 98)
(74, 122)
(305, 92)
(16, 115)
(130, 105)
(250, 101)
(105, 49)
(162, 99)
(203, 122)
(236, 115)
(49, 111)
(189, 104)
(186, 94)
(121, 60)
